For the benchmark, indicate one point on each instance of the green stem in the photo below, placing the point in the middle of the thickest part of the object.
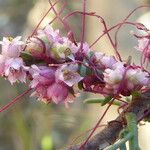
(123, 147)
(120, 143)
(97, 100)
(132, 127)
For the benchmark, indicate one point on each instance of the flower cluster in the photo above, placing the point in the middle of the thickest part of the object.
(54, 65)
(12, 65)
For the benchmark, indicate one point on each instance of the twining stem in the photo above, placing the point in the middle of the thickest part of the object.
(34, 31)
(121, 142)
(96, 126)
(83, 24)
(14, 101)
(132, 127)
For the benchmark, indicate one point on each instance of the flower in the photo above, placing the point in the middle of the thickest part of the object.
(15, 70)
(63, 50)
(12, 47)
(42, 76)
(144, 47)
(102, 61)
(52, 35)
(11, 65)
(2, 65)
(113, 78)
(45, 85)
(68, 74)
(58, 92)
(124, 80)
(137, 78)
(85, 48)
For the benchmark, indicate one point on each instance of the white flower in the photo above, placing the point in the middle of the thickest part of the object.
(12, 47)
(68, 74)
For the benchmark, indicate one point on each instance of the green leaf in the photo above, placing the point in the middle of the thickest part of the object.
(106, 100)
(98, 100)
(83, 70)
(90, 54)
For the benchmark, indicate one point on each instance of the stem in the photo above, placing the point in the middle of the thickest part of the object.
(96, 126)
(132, 127)
(74, 140)
(34, 31)
(121, 142)
(14, 100)
(59, 13)
(83, 24)
(116, 33)
(98, 100)
(67, 27)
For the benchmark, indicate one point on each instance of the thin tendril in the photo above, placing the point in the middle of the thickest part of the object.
(59, 13)
(34, 31)
(119, 24)
(83, 24)
(96, 126)
(116, 43)
(14, 101)
(67, 27)
(74, 140)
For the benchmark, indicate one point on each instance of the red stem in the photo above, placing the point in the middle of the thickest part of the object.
(96, 126)
(108, 30)
(67, 27)
(116, 43)
(14, 101)
(119, 24)
(59, 13)
(83, 24)
(74, 140)
(34, 31)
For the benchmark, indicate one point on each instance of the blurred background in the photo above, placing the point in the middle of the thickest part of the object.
(32, 125)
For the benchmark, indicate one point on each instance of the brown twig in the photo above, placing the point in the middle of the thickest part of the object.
(110, 133)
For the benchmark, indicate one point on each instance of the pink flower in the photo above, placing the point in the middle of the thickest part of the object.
(11, 65)
(103, 61)
(57, 92)
(68, 74)
(63, 50)
(15, 70)
(53, 35)
(2, 65)
(42, 78)
(144, 47)
(11, 47)
(46, 89)
(42, 75)
(85, 48)
(113, 78)
(124, 80)
(137, 78)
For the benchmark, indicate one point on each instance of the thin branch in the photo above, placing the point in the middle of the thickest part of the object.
(110, 133)
(14, 100)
